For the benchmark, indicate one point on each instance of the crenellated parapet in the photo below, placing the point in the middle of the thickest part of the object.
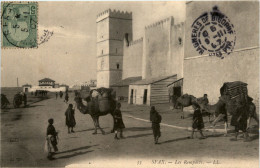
(163, 22)
(114, 14)
(131, 43)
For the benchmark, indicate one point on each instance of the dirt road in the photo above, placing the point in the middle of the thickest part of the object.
(23, 136)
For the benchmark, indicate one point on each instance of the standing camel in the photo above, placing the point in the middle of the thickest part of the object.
(185, 101)
(98, 106)
(225, 106)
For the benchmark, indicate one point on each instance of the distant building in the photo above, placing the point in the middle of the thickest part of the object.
(66, 86)
(56, 85)
(46, 83)
(26, 87)
(75, 87)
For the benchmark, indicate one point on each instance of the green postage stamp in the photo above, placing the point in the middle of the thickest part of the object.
(19, 24)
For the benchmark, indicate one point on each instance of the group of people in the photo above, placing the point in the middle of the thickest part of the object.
(66, 100)
(52, 134)
(40, 93)
(155, 118)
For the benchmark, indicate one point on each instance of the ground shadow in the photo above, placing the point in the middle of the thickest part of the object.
(32, 106)
(73, 155)
(17, 117)
(174, 140)
(254, 137)
(253, 130)
(76, 149)
(139, 135)
(215, 135)
(90, 129)
(138, 129)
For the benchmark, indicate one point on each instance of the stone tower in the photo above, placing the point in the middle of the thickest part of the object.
(112, 27)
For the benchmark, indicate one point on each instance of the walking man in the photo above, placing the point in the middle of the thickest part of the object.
(197, 121)
(66, 97)
(156, 119)
(70, 118)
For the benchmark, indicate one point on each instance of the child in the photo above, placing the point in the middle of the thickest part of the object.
(51, 138)
(155, 118)
(197, 121)
(119, 124)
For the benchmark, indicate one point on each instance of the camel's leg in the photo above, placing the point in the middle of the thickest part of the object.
(102, 131)
(182, 112)
(95, 124)
(226, 125)
(248, 122)
(256, 118)
(113, 130)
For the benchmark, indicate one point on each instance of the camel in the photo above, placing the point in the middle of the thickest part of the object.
(185, 101)
(188, 100)
(100, 105)
(225, 106)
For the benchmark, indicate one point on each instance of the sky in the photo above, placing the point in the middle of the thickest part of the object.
(69, 56)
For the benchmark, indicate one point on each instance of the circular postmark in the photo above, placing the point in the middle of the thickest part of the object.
(19, 24)
(213, 32)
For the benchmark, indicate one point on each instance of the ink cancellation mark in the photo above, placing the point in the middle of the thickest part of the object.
(213, 32)
(19, 24)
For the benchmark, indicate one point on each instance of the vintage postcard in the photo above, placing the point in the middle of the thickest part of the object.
(144, 84)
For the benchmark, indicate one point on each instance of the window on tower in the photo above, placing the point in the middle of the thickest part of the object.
(117, 66)
(179, 40)
(102, 52)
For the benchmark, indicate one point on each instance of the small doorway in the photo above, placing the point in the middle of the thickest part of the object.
(26, 90)
(131, 96)
(145, 96)
(135, 97)
(177, 91)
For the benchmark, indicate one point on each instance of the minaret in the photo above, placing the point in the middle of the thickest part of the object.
(17, 82)
(111, 29)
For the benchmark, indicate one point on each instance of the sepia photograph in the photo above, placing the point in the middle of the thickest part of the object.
(130, 84)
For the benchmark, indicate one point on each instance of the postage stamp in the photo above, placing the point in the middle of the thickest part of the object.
(19, 24)
(213, 32)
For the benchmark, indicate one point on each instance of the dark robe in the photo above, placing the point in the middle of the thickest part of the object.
(155, 118)
(67, 97)
(70, 119)
(119, 124)
(197, 120)
(51, 131)
(239, 119)
(25, 99)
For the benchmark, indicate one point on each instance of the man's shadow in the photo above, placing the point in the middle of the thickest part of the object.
(138, 129)
(139, 135)
(76, 152)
